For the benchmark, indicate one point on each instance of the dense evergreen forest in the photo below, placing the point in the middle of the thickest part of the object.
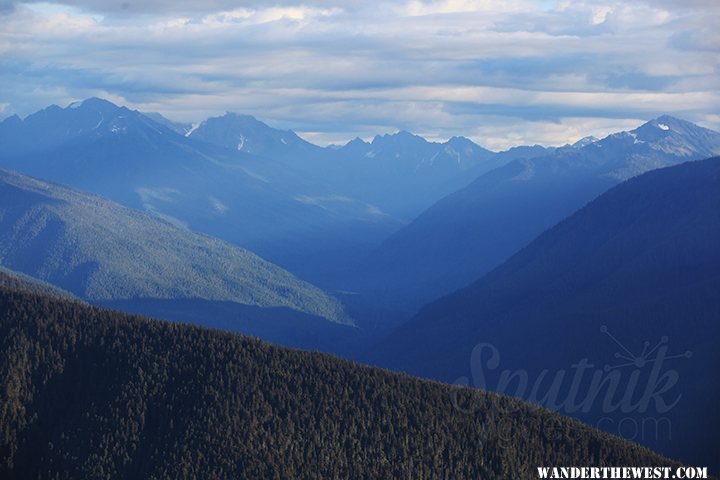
(94, 394)
(13, 280)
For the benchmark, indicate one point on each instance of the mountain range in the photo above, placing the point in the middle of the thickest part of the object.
(629, 278)
(236, 178)
(357, 218)
(471, 231)
(125, 156)
(399, 173)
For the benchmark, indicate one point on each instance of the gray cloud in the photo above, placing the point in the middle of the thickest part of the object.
(685, 4)
(441, 68)
(175, 7)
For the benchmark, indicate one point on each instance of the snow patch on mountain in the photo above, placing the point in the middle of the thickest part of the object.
(194, 127)
(584, 141)
(635, 139)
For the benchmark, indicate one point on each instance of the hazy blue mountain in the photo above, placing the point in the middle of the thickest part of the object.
(524, 152)
(100, 147)
(312, 210)
(400, 174)
(641, 262)
(178, 127)
(244, 199)
(247, 134)
(53, 126)
(471, 231)
(103, 252)
(403, 173)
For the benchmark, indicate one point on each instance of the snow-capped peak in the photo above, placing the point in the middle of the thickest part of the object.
(584, 141)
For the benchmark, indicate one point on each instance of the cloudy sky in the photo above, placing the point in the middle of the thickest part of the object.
(501, 72)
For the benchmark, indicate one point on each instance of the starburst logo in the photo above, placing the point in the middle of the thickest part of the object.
(648, 356)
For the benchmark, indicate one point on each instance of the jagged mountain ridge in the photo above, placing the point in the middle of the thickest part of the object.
(247, 134)
(475, 229)
(416, 171)
(129, 158)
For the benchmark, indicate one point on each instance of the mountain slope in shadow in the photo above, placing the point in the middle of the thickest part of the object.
(472, 231)
(631, 276)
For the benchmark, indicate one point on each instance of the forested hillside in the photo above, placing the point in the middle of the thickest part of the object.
(640, 263)
(102, 251)
(89, 393)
